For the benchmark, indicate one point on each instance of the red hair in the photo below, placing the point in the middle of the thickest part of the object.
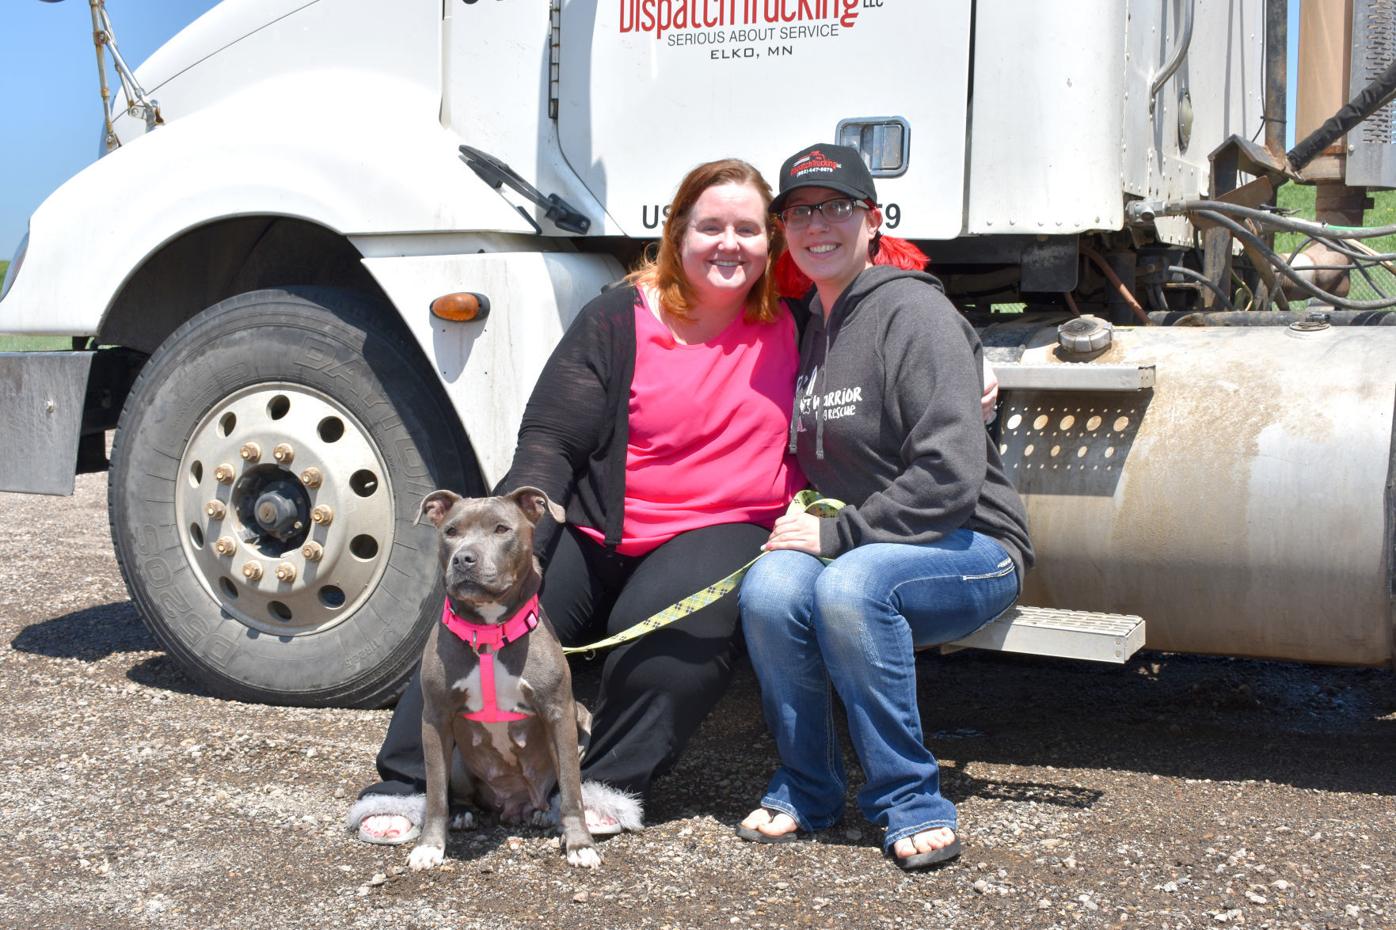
(792, 283)
(664, 272)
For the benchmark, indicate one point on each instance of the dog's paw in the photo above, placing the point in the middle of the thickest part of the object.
(585, 858)
(426, 857)
(540, 819)
(465, 820)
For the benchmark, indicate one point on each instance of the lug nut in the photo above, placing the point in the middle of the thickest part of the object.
(252, 571)
(313, 551)
(283, 453)
(322, 515)
(285, 572)
(216, 509)
(225, 545)
(251, 452)
(223, 474)
(312, 477)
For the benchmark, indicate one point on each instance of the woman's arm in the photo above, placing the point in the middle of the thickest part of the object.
(932, 387)
(566, 416)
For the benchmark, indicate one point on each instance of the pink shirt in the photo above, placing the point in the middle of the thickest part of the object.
(708, 430)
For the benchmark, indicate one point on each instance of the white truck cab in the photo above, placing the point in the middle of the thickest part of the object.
(248, 279)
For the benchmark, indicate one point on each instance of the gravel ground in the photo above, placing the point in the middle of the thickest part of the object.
(1175, 792)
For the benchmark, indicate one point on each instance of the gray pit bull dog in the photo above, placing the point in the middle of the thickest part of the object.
(495, 683)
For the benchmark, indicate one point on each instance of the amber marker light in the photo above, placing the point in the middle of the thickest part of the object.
(461, 307)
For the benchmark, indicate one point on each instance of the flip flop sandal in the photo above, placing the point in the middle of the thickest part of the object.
(399, 840)
(927, 859)
(753, 835)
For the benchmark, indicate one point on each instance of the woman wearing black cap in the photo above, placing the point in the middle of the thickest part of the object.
(931, 544)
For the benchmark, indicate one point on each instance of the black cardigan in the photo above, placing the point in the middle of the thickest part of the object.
(572, 441)
(576, 425)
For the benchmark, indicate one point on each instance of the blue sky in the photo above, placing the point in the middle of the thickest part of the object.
(48, 73)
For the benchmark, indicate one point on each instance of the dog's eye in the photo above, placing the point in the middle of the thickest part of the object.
(501, 529)
(451, 532)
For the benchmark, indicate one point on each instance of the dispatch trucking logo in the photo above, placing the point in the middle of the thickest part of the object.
(815, 162)
(673, 19)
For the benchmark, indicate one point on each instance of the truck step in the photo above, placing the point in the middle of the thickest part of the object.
(1067, 634)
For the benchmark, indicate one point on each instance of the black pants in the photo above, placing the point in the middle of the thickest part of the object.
(655, 690)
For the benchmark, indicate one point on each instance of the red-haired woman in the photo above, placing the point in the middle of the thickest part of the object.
(659, 423)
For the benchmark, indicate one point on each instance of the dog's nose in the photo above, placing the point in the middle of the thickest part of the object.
(464, 558)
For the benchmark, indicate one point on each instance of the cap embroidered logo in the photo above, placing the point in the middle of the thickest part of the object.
(814, 161)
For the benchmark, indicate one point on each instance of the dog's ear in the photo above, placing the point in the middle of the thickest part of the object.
(436, 505)
(534, 503)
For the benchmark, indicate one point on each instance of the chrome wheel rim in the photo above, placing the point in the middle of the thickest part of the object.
(285, 509)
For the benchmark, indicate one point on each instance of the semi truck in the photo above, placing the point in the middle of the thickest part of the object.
(331, 243)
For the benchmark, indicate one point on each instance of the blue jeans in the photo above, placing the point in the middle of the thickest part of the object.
(853, 627)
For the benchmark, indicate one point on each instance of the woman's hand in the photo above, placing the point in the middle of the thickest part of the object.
(991, 393)
(798, 531)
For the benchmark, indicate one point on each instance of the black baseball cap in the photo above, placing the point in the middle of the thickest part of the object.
(837, 167)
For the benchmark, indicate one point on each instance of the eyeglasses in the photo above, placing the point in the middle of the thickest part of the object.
(833, 211)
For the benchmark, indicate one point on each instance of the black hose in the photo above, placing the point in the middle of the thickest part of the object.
(1362, 261)
(1368, 100)
(1337, 245)
(1158, 297)
(1244, 234)
(1371, 282)
(1272, 317)
(1356, 255)
(1205, 282)
(1307, 227)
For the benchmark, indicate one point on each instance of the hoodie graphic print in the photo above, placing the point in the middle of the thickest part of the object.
(887, 419)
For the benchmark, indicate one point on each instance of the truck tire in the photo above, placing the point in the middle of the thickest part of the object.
(265, 482)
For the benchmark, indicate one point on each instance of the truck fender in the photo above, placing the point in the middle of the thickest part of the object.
(400, 173)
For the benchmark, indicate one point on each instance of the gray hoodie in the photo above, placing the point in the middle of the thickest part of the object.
(888, 420)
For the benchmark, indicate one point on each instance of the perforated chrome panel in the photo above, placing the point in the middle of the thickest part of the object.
(1069, 442)
(1372, 155)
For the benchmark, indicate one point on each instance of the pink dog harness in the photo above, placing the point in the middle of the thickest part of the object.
(487, 639)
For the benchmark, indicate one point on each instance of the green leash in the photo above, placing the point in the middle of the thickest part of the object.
(804, 502)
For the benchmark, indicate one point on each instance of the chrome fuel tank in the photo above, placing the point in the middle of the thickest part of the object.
(1242, 505)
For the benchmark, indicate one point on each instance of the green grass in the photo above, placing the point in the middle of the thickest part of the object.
(35, 343)
(1300, 198)
(1383, 213)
